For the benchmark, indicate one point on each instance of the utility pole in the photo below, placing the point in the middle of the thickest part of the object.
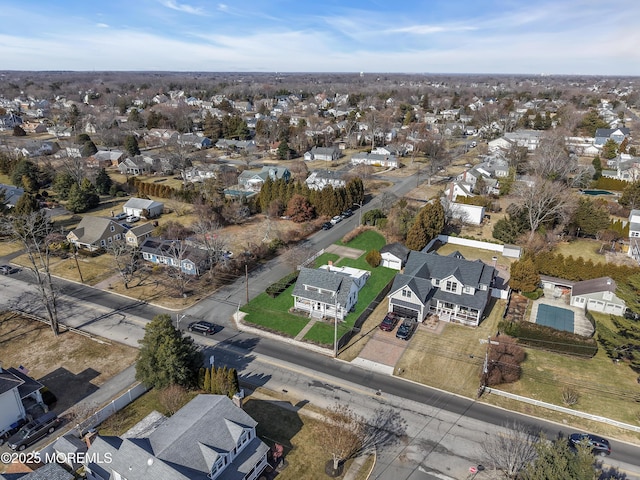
(246, 280)
(75, 256)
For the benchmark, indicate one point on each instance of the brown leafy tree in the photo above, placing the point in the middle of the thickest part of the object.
(504, 359)
(299, 209)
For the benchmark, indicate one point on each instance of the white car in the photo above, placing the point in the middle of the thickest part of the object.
(336, 219)
(132, 219)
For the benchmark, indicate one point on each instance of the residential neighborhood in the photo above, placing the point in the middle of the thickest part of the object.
(469, 234)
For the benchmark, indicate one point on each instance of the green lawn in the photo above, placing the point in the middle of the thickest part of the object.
(325, 258)
(273, 313)
(367, 240)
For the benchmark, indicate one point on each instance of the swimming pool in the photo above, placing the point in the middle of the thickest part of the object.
(597, 192)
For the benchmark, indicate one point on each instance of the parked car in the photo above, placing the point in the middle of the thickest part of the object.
(389, 322)
(327, 225)
(6, 269)
(121, 216)
(133, 219)
(33, 431)
(630, 314)
(10, 430)
(599, 446)
(406, 329)
(336, 219)
(347, 213)
(204, 328)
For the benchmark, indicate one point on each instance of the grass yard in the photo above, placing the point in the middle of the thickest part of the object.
(325, 258)
(7, 248)
(586, 248)
(367, 240)
(273, 313)
(476, 254)
(451, 360)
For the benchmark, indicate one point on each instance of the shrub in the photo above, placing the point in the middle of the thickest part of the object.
(547, 338)
(281, 285)
(535, 295)
(373, 258)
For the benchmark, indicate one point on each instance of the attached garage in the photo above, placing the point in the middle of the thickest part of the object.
(406, 312)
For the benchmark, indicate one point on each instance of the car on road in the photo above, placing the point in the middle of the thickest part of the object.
(406, 329)
(6, 269)
(389, 322)
(203, 328)
(132, 219)
(347, 213)
(336, 219)
(599, 446)
(33, 431)
(327, 225)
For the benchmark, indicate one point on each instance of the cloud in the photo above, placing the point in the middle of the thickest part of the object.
(430, 29)
(102, 25)
(223, 7)
(183, 7)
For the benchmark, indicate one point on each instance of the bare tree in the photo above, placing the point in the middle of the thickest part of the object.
(125, 260)
(178, 252)
(34, 231)
(544, 201)
(173, 398)
(209, 238)
(512, 450)
(295, 256)
(551, 159)
(341, 435)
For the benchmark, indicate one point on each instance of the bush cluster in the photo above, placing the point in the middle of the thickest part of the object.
(281, 285)
(546, 338)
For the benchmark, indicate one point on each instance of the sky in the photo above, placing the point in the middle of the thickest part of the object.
(590, 37)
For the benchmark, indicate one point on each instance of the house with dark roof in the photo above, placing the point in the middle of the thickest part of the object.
(329, 154)
(207, 439)
(94, 233)
(49, 471)
(451, 287)
(192, 261)
(597, 295)
(19, 396)
(136, 235)
(328, 291)
(615, 134)
(11, 194)
(394, 255)
(319, 179)
(252, 181)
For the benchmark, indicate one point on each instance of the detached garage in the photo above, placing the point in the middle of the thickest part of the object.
(598, 295)
(135, 207)
(394, 255)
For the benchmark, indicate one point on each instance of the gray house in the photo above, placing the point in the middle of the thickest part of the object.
(11, 194)
(328, 291)
(94, 233)
(207, 439)
(598, 295)
(329, 154)
(455, 289)
(191, 261)
(615, 134)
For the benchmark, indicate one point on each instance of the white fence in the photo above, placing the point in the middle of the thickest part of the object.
(557, 408)
(310, 259)
(494, 247)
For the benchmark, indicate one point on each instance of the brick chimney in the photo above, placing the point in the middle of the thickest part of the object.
(89, 436)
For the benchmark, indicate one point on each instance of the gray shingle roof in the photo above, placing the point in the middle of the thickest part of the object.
(50, 471)
(330, 281)
(602, 284)
(185, 445)
(396, 249)
(91, 229)
(141, 203)
(429, 265)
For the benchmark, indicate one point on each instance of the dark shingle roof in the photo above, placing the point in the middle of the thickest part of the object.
(602, 284)
(330, 281)
(396, 249)
(429, 265)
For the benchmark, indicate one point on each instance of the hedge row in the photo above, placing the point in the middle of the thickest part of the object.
(546, 338)
(281, 285)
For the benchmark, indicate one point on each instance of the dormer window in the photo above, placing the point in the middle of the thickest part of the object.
(451, 286)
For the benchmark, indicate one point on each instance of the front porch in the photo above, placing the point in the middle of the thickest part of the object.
(449, 312)
(319, 310)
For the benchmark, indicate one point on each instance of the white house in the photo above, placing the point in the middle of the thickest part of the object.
(375, 159)
(634, 235)
(597, 295)
(328, 291)
(329, 154)
(319, 179)
(18, 393)
(135, 207)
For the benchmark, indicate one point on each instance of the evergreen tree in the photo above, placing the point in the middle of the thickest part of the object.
(131, 145)
(597, 166)
(88, 149)
(630, 197)
(103, 182)
(18, 131)
(207, 380)
(284, 151)
(167, 357)
(557, 461)
(429, 224)
(24, 168)
(524, 276)
(610, 149)
(62, 183)
(26, 205)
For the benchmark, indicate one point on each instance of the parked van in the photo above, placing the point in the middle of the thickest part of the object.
(34, 431)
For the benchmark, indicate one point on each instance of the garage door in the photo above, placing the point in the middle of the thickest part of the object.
(405, 312)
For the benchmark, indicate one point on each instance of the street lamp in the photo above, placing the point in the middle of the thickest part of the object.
(178, 318)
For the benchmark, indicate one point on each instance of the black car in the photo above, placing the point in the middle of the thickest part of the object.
(6, 269)
(630, 314)
(347, 213)
(406, 329)
(599, 446)
(33, 431)
(389, 322)
(204, 328)
(327, 225)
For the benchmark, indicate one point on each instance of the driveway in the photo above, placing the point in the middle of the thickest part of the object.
(382, 352)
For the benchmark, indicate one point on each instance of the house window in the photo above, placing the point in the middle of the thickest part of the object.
(451, 286)
(103, 243)
(117, 236)
(406, 292)
(113, 229)
(436, 282)
(467, 289)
